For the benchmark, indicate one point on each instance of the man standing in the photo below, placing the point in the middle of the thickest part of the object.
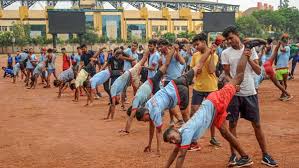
(153, 60)
(206, 81)
(66, 60)
(282, 68)
(245, 102)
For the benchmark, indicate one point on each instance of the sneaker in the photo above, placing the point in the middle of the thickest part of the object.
(267, 160)
(232, 160)
(287, 98)
(97, 97)
(194, 147)
(244, 161)
(214, 142)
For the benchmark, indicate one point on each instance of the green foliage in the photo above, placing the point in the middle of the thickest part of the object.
(6, 38)
(169, 36)
(90, 37)
(186, 35)
(21, 32)
(38, 40)
(249, 26)
(265, 23)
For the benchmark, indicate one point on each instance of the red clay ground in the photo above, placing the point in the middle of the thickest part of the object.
(39, 130)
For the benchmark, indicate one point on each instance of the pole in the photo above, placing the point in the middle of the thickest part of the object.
(80, 38)
(54, 40)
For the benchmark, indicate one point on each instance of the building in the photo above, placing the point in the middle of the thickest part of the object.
(169, 16)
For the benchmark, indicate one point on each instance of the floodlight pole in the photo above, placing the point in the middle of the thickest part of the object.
(54, 39)
(80, 35)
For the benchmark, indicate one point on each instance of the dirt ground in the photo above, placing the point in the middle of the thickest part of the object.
(39, 130)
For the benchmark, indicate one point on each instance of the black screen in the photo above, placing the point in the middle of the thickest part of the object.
(217, 21)
(66, 22)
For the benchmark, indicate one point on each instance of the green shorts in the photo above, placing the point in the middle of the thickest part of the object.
(280, 73)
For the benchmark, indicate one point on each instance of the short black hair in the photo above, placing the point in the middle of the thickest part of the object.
(83, 46)
(78, 47)
(230, 29)
(50, 50)
(122, 47)
(152, 42)
(269, 40)
(140, 113)
(56, 82)
(166, 133)
(86, 84)
(73, 86)
(200, 37)
(63, 49)
(135, 42)
(129, 111)
(163, 42)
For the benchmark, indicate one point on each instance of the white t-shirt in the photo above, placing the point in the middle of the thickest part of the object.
(231, 57)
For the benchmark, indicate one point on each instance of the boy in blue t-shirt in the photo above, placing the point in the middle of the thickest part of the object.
(9, 61)
(8, 72)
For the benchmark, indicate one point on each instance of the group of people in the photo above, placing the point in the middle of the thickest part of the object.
(225, 78)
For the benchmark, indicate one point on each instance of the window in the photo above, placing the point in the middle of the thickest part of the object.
(163, 28)
(177, 28)
(136, 31)
(184, 28)
(89, 21)
(3, 28)
(155, 29)
(111, 26)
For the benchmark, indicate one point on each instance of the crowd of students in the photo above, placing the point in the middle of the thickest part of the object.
(225, 78)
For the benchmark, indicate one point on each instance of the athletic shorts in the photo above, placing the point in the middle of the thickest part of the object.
(246, 107)
(99, 78)
(198, 97)
(221, 100)
(182, 84)
(16, 69)
(51, 71)
(280, 73)
(268, 68)
(120, 83)
(82, 76)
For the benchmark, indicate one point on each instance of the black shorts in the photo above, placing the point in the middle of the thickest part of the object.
(246, 107)
(184, 96)
(156, 81)
(182, 84)
(198, 97)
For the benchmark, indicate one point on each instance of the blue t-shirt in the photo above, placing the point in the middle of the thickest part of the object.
(101, 59)
(165, 98)
(23, 56)
(266, 56)
(197, 124)
(29, 64)
(128, 64)
(17, 58)
(153, 62)
(42, 58)
(10, 60)
(9, 71)
(283, 58)
(51, 65)
(174, 69)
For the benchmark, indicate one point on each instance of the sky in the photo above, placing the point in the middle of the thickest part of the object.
(244, 4)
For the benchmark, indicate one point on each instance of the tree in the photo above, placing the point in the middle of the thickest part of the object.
(21, 32)
(249, 26)
(5, 39)
(169, 36)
